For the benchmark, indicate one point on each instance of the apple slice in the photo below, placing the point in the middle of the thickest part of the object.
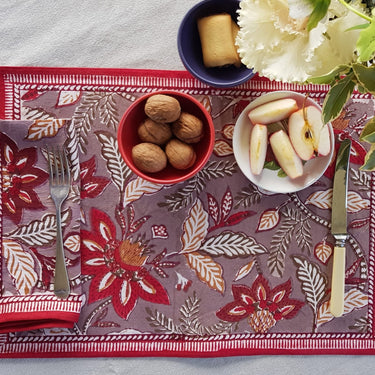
(273, 111)
(258, 148)
(285, 154)
(308, 134)
(324, 146)
(301, 135)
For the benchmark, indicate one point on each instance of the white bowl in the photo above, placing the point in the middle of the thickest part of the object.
(269, 180)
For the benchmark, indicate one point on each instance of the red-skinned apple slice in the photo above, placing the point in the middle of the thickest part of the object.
(258, 148)
(285, 154)
(308, 134)
(300, 134)
(273, 111)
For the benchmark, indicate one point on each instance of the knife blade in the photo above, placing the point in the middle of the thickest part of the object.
(339, 227)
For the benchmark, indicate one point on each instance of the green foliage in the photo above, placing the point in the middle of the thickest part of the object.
(369, 164)
(366, 42)
(319, 11)
(331, 77)
(337, 96)
(368, 132)
(365, 77)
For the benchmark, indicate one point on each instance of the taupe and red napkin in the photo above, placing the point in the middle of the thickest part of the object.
(28, 228)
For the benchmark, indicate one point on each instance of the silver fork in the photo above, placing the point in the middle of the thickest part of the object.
(59, 182)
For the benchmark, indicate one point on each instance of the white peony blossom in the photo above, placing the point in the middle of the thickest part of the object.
(280, 48)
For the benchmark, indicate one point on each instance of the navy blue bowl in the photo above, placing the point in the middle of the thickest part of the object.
(190, 50)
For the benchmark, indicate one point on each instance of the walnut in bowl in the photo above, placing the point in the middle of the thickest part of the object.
(128, 137)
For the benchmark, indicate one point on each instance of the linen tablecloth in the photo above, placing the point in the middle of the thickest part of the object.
(165, 268)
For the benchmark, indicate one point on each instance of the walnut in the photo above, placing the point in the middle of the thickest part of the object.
(188, 128)
(180, 155)
(154, 132)
(162, 108)
(148, 157)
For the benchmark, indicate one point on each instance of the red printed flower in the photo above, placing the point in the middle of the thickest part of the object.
(91, 186)
(262, 306)
(19, 178)
(117, 267)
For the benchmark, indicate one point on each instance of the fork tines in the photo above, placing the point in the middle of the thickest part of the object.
(58, 165)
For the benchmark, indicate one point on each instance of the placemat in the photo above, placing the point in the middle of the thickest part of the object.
(209, 267)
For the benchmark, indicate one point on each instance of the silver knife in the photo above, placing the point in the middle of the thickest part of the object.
(339, 227)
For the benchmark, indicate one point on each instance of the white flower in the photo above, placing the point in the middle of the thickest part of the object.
(280, 48)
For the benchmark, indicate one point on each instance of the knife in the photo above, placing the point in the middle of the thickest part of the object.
(339, 227)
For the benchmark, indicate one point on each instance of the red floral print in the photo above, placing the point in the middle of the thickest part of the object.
(91, 186)
(262, 306)
(19, 179)
(117, 267)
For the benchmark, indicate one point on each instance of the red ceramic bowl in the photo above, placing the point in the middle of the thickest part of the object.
(127, 137)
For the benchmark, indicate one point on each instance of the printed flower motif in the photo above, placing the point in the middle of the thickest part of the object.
(273, 39)
(19, 178)
(117, 267)
(91, 186)
(262, 306)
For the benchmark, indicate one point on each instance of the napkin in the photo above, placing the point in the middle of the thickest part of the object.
(28, 227)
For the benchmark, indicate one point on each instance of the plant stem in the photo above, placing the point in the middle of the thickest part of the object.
(356, 11)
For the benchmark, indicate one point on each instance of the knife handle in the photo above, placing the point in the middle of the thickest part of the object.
(338, 281)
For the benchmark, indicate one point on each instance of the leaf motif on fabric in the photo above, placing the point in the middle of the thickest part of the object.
(213, 208)
(355, 203)
(207, 270)
(321, 199)
(28, 113)
(67, 98)
(222, 148)
(232, 245)
(313, 281)
(138, 187)
(73, 242)
(354, 299)
(31, 94)
(116, 166)
(44, 128)
(244, 270)
(108, 110)
(195, 228)
(187, 194)
(268, 220)
(161, 323)
(226, 204)
(323, 251)
(359, 223)
(20, 265)
(206, 102)
(227, 131)
(40, 232)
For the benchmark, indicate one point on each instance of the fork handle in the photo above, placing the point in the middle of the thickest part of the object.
(62, 285)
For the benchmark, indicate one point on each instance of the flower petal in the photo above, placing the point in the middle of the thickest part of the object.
(232, 312)
(106, 281)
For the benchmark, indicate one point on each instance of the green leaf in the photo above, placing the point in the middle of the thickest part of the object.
(336, 97)
(366, 42)
(365, 76)
(368, 132)
(281, 173)
(369, 164)
(358, 27)
(332, 76)
(320, 10)
(272, 165)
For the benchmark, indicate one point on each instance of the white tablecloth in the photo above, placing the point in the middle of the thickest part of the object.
(126, 34)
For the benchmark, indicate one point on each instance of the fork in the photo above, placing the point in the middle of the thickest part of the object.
(59, 182)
